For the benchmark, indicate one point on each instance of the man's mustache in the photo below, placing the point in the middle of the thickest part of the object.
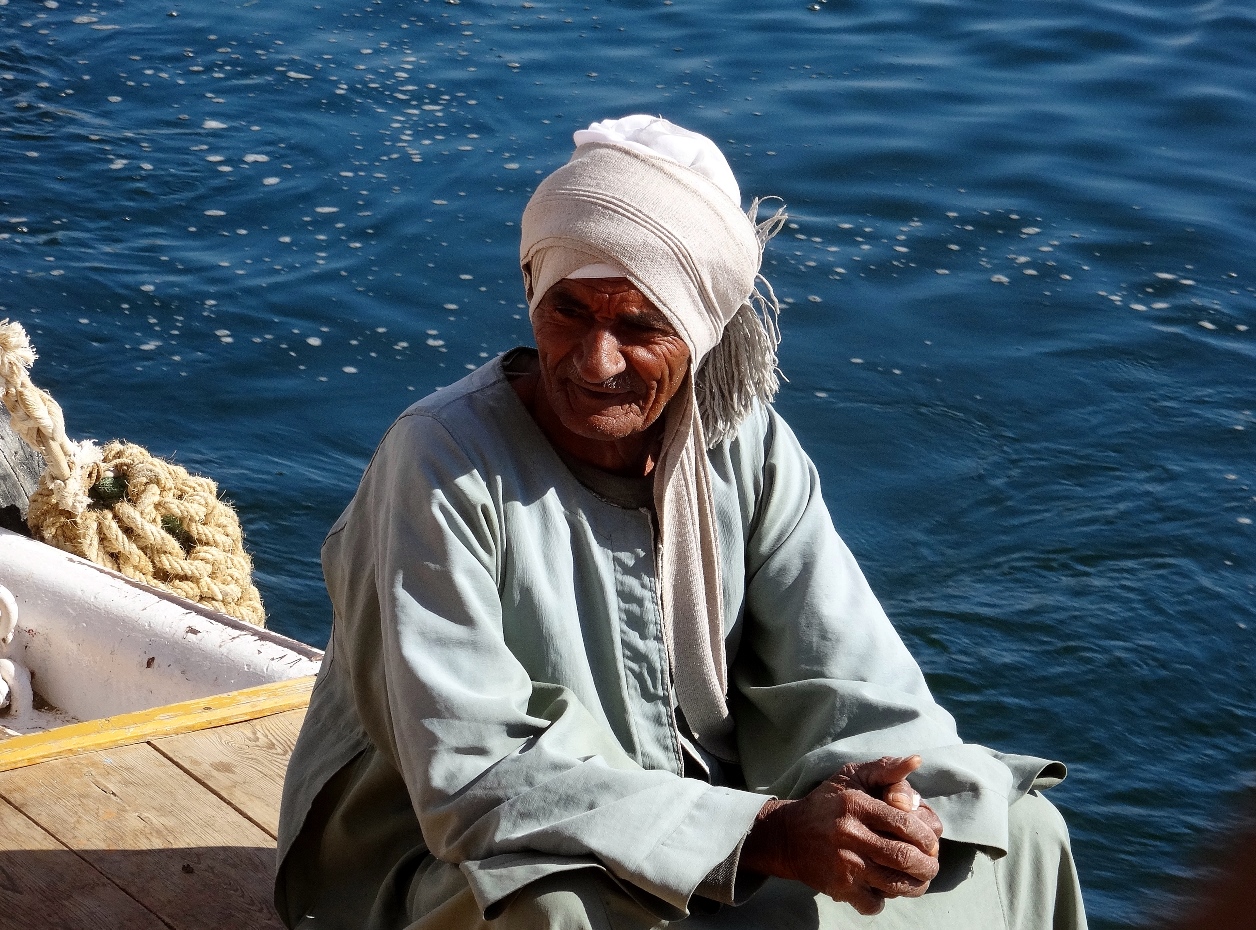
(621, 383)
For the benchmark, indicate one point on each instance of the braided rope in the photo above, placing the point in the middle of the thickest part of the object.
(160, 525)
(35, 416)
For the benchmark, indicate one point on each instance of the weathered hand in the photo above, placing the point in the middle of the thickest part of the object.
(886, 778)
(844, 841)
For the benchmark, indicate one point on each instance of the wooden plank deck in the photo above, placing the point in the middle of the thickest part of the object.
(171, 832)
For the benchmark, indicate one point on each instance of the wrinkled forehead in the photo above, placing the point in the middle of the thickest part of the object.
(616, 295)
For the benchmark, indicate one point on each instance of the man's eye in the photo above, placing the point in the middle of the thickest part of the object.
(567, 310)
(648, 327)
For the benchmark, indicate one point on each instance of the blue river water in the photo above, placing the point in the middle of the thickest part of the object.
(1019, 308)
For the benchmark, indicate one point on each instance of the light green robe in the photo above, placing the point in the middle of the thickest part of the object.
(496, 692)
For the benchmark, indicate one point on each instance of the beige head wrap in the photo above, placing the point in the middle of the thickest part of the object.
(660, 202)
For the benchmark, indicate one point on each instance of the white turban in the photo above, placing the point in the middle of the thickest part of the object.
(660, 202)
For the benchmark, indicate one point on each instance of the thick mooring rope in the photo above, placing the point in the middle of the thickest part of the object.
(124, 509)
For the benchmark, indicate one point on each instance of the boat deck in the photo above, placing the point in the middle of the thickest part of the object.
(169, 826)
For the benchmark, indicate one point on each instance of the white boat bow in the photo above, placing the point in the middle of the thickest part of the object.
(99, 644)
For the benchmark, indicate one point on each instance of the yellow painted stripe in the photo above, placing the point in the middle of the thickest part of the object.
(168, 720)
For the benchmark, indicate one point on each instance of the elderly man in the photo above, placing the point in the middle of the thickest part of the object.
(599, 658)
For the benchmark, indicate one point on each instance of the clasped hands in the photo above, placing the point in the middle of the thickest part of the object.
(861, 836)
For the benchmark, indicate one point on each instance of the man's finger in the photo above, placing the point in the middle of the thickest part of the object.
(884, 772)
(865, 900)
(903, 857)
(902, 796)
(929, 817)
(904, 860)
(892, 883)
(877, 817)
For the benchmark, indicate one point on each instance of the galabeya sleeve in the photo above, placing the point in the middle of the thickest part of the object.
(822, 678)
(512, 779)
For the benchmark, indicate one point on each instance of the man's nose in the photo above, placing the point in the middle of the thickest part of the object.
(602, 358)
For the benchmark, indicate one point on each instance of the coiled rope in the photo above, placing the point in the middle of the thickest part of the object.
(124, 509)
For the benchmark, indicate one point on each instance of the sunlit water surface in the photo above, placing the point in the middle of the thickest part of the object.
(1017, 284)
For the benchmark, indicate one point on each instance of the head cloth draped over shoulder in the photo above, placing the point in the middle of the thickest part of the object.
(645, 199)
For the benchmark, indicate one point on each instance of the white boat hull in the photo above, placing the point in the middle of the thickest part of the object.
(99, 644)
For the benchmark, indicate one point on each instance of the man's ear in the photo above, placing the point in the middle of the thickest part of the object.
(527, 281)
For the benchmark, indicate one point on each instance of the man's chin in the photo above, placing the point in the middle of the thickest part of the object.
(607, 425)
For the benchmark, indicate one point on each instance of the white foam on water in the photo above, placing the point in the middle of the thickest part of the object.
(270, 181)
(213, 124)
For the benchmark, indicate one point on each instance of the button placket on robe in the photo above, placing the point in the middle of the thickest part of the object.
(644, 654)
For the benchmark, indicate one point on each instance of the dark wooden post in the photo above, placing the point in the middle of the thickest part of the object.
(20, 468)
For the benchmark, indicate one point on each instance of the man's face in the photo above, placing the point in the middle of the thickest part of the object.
(610, 361)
